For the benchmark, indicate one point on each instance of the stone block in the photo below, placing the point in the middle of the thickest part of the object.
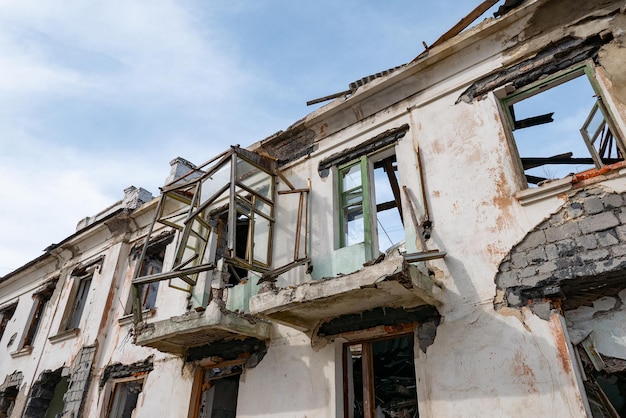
(566, 247)
(568, 230)
(593, 205)
(613, 200)
(536, 256)
(507, 279)
(552, 252)
(607, 238)
(600, 222)
(587, 242)
(595, 255)
(519, 260)
(618, 250)
(533, 240)
(527, 272)
(620, 231)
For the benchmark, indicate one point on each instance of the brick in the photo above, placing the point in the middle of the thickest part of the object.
(505, 266)
(533, 240)
(613, 200)
(551, 252)
(538, 255)
(607, 238)
(519, 260)
(621, 215)
(621, 233)
(547, 267)
(593, 205)
(574, 210)
(528, 272)
(599, 222)
(618, 250)
(587, 242)
(566, 247)
(594, 255)
(507, 279)
(568, 230)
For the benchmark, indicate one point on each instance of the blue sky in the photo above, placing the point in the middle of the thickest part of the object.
(96, 96)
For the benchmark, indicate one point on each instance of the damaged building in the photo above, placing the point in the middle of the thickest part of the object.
(445, 238)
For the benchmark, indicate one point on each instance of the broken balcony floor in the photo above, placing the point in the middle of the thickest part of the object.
(195, 329)
(390, 283)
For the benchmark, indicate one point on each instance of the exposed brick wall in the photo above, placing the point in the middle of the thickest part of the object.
(80, 376)
(41, 393)
(584, 241)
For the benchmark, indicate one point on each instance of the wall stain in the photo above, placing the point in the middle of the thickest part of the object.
(524, 373)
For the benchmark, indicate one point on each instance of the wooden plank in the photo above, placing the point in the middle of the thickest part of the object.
(465, 22)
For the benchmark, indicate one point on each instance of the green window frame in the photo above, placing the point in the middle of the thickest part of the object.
(368, 191)
(598, 131)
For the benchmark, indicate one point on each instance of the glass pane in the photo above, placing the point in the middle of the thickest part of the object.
(261, 206)
(354, 228)
(211, 184)
(254, 178)
(261, 244)
(596, 122)
(351, 177)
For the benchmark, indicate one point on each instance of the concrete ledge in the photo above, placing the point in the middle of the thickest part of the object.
(390, 283)
(177, 334)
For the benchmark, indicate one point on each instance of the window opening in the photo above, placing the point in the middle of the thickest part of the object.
(80, 300)
(41, 301)
(561, 127)
(7, 400)
(124, 399)
(219, 391)
(379, 378)
(370, 195)
(5, 316)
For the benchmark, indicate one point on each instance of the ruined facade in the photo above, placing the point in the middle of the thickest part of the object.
(435, 241)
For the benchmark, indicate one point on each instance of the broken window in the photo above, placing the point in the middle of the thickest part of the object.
(5, 316)
(83, 283)
(41, 299)
(218, 391)
(369, 201)
(379, 378)
(151, 264)
(124, 399)
(562, 126)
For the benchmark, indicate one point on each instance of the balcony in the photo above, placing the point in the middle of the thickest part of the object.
(392, 283)
(195, 329)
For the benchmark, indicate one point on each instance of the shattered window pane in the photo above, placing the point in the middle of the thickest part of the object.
(254, 179)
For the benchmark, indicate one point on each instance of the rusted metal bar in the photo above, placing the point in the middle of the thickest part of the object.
(292, 191)
(172, 274)
(296, 249)
(136, 293)
(393, 181)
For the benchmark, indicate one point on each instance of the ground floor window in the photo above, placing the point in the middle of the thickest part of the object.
(216, 392)
(124, 399)
(379, 378)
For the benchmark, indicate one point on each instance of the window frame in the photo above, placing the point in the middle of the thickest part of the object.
(114, 386)
(42, 296)
(6, 314)
(367, 353)
(585, 69)
(366, 162)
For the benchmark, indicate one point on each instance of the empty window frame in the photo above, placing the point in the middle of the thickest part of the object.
(6, 314)
(40, 301)
(369, 201)
(82, 285)
(379, 378)
(562, 126)
(217, 390)
(151, 264)
(124, 398)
